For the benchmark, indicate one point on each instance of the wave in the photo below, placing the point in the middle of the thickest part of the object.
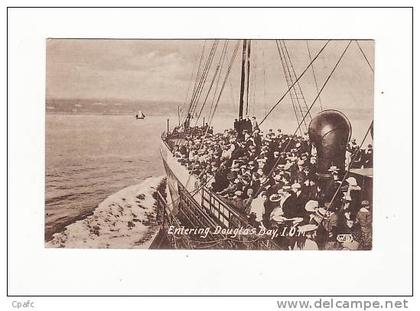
(126, 219)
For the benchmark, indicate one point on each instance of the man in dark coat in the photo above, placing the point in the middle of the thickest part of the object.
(289, 204)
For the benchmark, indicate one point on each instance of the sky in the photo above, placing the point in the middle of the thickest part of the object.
(164, 70)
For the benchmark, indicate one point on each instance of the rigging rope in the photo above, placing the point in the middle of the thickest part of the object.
(298, 84)
(364, 55)
(196, 78)
(285, 77)
(199, 88)
(198, 60)
(235, 52)
(205, 74)
(218, 67)
(217, 84)
(313, 73)
(300, 76)
(232, 97)
(254, 83)
(199, 65)
(264, 87)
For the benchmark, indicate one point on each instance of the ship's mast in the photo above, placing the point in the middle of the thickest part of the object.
(243, 73)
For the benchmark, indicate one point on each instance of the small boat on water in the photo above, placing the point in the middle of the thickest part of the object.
(197, 201)
(140, 115)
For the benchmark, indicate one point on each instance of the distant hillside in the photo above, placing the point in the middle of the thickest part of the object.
(83, 106)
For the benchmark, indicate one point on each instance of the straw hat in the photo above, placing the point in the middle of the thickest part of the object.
(275, 198)
(307, 228)
(321, 212)
(311, 206)
(352, 181)
(365, 203)
(296, 186)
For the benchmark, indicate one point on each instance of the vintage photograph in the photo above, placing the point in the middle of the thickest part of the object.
(209, 144)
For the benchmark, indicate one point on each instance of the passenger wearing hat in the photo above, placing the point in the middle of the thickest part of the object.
(257, 140)
(248, 197)
(272, 203)
(331, 219)
(352, 145)
(330, 190)
(254, 124)
(300, 200)
(230, 189)
(297, 171)
(354, 191)
(306, 238)
(258, 207)
(270, 134)
(288, 203)
(327, 221)
(357, 156)
(333, 170)
(271, 161)
(311, 207)
(345, 204)
(306, 174)
(310, 189)
(368, 157)
(364, 218)
(238, 202)
(276, 198)
(312, 166)
(319, 215)
(277, 185)
(277, 215)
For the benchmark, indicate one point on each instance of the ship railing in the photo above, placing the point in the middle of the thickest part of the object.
(170, 139)
(230, 218)
(224, 213)
(211, 212)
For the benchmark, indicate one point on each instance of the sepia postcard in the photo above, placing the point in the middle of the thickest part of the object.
(209, 144)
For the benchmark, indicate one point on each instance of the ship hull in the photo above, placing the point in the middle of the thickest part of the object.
(178, 177)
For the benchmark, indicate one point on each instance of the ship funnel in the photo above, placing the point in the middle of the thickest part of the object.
(330, 132)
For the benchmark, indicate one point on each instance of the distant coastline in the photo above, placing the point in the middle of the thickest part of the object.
(160, 108)
(108, 106)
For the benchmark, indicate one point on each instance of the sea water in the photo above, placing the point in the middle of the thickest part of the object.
(90, 157)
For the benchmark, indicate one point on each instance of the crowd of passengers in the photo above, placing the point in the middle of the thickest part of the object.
(271, 178)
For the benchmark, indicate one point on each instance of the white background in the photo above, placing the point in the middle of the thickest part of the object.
(386, 270)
